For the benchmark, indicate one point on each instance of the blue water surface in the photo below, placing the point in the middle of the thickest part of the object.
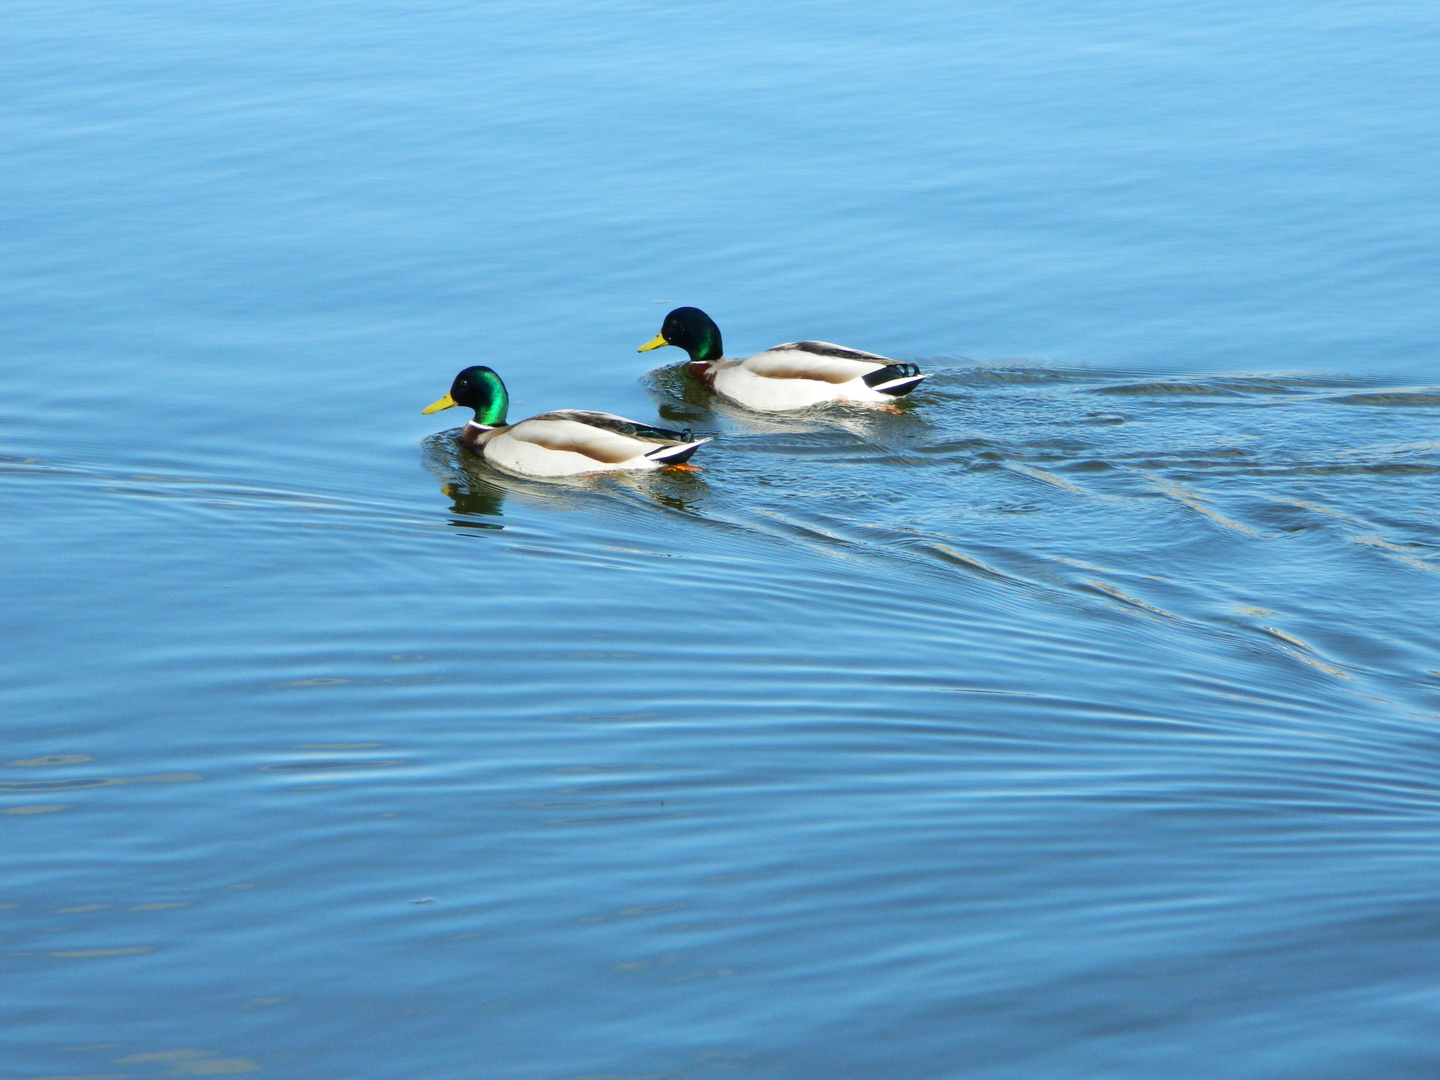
(1078, 719)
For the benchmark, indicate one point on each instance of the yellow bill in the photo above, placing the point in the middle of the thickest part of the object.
(654, 343)
(446, 402)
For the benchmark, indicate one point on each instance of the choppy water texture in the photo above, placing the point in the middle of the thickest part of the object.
(1076, 719)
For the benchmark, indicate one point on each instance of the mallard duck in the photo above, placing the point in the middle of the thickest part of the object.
(566, 442)
(790, 376)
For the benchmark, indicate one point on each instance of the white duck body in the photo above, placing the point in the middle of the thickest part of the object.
(799, 374)
(572, 442)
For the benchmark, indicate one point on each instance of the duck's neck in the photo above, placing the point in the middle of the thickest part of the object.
(493, 414)
(706, 347)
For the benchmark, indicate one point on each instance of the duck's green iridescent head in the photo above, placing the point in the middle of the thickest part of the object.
(692, 330)
(476, 388)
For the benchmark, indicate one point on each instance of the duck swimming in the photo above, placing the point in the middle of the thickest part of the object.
(795, 375)
(566, 442)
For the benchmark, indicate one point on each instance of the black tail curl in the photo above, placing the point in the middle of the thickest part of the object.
(890, 373)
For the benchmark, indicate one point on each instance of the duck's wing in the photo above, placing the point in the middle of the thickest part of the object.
(836, 364)
(826, 348)
(818, 361)
(621, 426)
(605, 438)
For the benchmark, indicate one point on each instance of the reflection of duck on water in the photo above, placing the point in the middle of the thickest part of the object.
(471, 493)
(477, 491)
(565, 442)
(795, 375)
(483, 501)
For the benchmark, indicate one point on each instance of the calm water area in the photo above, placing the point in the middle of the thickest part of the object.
(1080, 718)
